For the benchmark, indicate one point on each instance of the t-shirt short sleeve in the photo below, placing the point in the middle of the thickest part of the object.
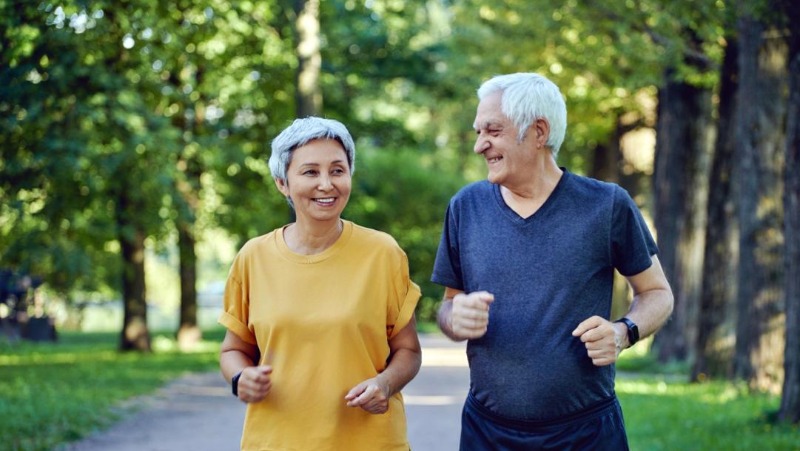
(400, 309)
(632, 245)
(236, 304)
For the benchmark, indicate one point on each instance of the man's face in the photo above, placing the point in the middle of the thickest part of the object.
(508, 160)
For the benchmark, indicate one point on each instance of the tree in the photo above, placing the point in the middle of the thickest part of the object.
(680, 183)
(790, 401)
(760, 141)
(308, 94)
(716, 313)
(53, 224)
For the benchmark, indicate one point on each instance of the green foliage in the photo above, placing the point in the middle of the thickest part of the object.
(173, 105)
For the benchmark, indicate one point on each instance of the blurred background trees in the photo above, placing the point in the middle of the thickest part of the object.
(138, 131)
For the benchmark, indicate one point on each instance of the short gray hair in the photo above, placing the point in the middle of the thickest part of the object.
(527, 97)
(301, 132)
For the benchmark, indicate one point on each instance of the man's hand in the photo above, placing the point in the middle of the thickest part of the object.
(469, 317)
(603, 339)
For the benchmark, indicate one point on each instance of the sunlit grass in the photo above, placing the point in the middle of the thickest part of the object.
(51, 393)
(665, 412)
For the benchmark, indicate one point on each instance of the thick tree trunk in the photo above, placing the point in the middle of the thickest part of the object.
(716, 315)
(760, 140)
(309, 61)
(790, 400)
(680, 184)
(135, 334)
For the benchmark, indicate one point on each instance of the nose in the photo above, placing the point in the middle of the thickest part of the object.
(481, 145)
(325, 183)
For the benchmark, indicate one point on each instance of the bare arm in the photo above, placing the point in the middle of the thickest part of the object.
(237, 355)
(462, 316)
(651, 306)
(405, 359)
(652, 301)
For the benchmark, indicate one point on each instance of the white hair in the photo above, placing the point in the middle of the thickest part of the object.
(300, 133)
(527, 97)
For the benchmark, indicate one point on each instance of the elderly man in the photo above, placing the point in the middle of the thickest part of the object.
(527, 259)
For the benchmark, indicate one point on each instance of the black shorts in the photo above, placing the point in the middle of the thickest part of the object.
(598, 428)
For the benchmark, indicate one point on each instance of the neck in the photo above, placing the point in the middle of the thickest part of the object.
(310, 239)
(527, 197)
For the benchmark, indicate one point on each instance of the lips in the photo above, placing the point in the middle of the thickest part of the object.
(325, 200)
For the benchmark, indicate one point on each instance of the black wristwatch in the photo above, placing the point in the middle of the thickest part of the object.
(633, 330)
(235, 384)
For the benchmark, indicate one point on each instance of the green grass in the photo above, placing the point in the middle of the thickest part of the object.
(665, 415)
(664, 412)
(51, 393)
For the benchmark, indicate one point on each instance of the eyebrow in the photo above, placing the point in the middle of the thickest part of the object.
(313, 163)
(488, 124)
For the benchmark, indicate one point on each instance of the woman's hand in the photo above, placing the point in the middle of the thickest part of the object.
(255, 383)
(371, 395)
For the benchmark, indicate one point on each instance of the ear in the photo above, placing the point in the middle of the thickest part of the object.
(542, 129)
(283, 187)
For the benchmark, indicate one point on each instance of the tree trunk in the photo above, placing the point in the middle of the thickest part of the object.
(680, 184)
(790, 400)
(187, 187)
(309, 60)
(760, 140)
(135, 334)
(607, 160)
(189, 333)
(716, 315)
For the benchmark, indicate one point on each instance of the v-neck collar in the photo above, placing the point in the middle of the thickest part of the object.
(514, 216)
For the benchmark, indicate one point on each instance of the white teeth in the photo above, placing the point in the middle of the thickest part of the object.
(327, 200)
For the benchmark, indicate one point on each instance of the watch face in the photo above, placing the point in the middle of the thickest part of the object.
(633, 332)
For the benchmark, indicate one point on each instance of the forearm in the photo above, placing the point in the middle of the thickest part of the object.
(233, 361)
(403, 366)
(443, 318)
(650, 310)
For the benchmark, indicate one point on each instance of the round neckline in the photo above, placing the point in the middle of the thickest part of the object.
(341, 241)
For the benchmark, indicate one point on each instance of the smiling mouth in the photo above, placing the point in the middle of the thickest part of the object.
(325, 200)
(493, 160)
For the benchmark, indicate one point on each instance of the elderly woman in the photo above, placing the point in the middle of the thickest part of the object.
(319, 313)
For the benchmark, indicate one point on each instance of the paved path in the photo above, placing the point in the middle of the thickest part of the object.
(197, 412)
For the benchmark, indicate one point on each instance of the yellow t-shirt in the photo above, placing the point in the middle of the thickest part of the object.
(323, 322)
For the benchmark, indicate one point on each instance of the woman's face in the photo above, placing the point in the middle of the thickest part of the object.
(318, 181)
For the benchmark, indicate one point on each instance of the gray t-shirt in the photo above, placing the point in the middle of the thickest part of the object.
(548, 273)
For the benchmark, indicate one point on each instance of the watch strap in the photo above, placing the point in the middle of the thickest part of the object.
(235, 384)
(633, 330)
